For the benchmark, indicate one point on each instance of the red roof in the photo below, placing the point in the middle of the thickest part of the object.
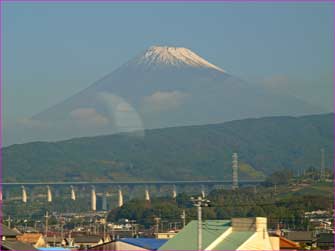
(288, 244)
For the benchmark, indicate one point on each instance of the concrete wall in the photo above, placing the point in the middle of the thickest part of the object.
(260, 240)
(119, 245)
(165, 235)
(249, 224)
(275, 242)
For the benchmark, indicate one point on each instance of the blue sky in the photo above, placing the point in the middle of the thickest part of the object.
(53, 50)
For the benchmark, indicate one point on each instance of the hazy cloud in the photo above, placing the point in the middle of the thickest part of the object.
(89, 116)
(30, 123)
(125, 117)
(276, 81)
(304, 89)
(164, 100)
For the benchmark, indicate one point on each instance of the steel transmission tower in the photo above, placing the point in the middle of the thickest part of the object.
(322, 166)
(235, 171)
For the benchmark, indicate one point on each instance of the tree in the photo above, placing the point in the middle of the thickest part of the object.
(279, 177)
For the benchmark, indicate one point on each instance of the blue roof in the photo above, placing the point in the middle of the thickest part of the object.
(54, 248)
(147, 243)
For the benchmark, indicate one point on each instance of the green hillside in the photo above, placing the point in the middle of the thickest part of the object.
(183, 153)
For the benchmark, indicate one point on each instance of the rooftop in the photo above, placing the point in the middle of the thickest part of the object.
(16, 245)
(300, 236)
(234, 240)
(54, 249)
(288, 244)
(147, 243)
(29, 237)
(87, 239)
(211, 230)
(5, 231)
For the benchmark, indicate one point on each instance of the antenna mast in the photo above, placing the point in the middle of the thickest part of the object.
(235, 171)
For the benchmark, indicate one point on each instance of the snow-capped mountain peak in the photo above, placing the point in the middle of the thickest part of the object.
(176, 56)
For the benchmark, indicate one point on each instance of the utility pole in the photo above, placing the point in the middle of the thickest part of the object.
(105, 225)
(9, 220)
(157, 220)
(322, 166)
(54, 240)
(199, 203)
(183, 217)
(25, 225)
(113, 234)
(61, 224)
(46, 222)
(95, 226)
(133, 230)
(199, 227)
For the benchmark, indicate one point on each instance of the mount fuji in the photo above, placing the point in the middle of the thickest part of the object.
(161, 87)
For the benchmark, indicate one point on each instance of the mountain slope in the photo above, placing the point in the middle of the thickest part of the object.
(161, 87)
(193, 152)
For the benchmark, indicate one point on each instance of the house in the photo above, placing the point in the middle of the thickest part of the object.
(166, 235)
(286, 244)
(140, 243)
(235, 234)
(55, 241)
(122, 233)
(15, 245)
(7, 233)
(131, 244)
(9, 240)
(302, 237)
(55, 249)
(325, 241)
(85, 241)
(35, 239)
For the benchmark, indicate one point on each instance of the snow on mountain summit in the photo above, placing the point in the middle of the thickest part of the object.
(175, 56)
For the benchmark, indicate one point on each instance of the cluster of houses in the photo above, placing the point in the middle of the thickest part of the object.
(311, 239)
(320, 220)
(234, 234)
